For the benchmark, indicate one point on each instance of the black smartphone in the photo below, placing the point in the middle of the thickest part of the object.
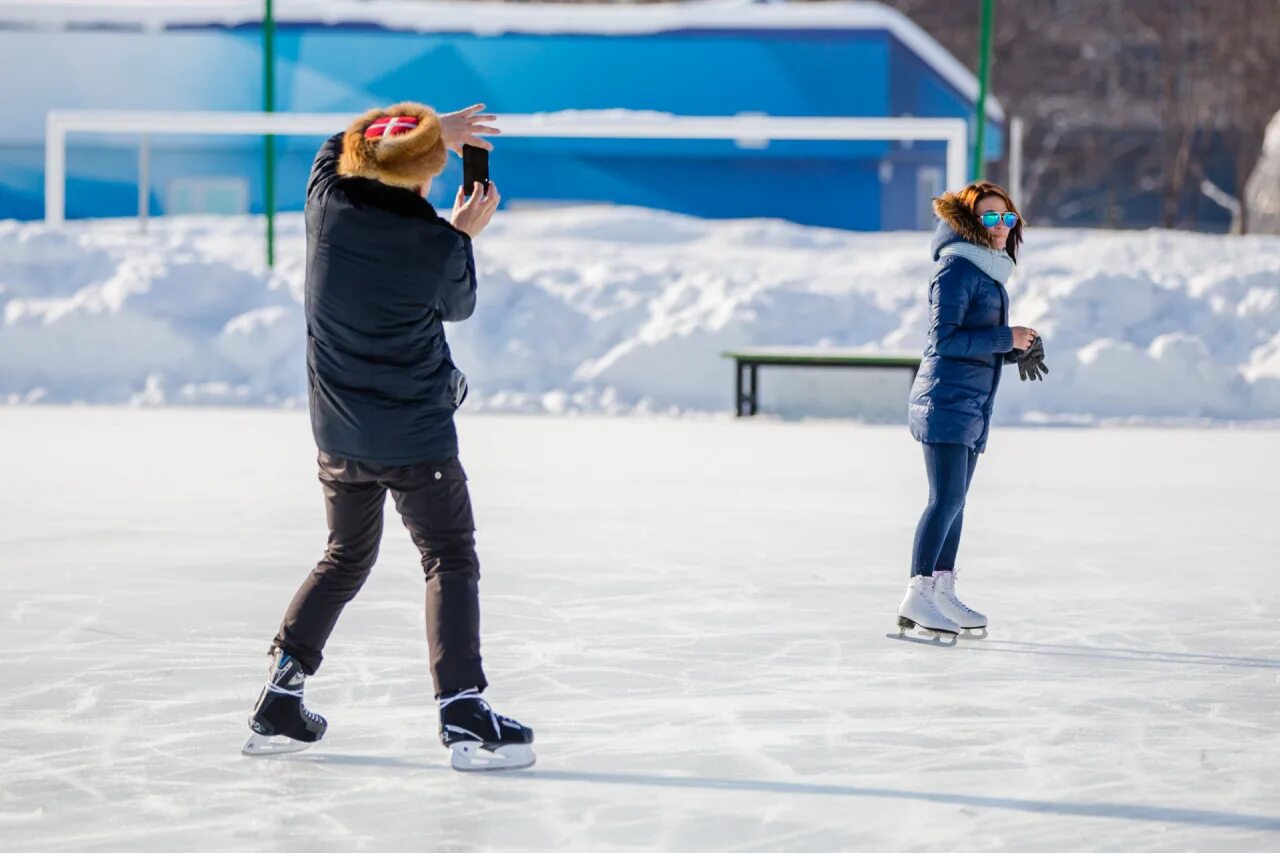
(475, 168)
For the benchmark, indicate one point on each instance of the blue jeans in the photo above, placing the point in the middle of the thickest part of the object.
(950, 468)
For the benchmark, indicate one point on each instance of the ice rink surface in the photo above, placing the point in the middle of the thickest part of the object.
(690, 612)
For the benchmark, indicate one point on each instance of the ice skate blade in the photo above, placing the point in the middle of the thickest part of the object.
(927, 636)
(262, 746)
(472, 756)
(970, 634)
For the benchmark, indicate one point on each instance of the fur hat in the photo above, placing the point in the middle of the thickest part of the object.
(399, 145)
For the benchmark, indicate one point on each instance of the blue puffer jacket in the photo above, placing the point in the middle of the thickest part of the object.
(969, 338)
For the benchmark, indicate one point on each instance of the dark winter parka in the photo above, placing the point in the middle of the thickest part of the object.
(969, 340)
(383, 272)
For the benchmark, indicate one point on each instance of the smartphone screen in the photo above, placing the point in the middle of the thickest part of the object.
(475, 168)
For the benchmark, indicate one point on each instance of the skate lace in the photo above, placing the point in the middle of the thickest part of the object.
(950, 595)
(933, 607)
(306, 712)
(473, 693)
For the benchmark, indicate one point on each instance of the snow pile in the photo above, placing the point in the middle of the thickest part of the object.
(622, 309)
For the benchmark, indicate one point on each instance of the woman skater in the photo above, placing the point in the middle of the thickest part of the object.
(975, 247)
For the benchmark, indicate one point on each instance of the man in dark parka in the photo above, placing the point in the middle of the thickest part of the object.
(384, 272)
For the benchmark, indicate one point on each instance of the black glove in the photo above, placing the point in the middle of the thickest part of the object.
(1031, 361)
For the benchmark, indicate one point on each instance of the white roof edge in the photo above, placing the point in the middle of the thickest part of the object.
(492, 18)
(942, 60)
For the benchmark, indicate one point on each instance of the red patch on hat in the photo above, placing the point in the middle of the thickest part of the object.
(390, 126)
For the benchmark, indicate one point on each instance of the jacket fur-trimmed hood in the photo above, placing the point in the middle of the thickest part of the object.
(950, 209)
(406, 159)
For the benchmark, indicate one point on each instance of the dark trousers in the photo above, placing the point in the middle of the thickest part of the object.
(434, 503)
(950, 468)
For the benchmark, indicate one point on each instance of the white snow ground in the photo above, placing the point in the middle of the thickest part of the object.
(690, 612)
(608, 309)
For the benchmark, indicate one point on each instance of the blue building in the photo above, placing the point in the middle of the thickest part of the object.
(838, 59)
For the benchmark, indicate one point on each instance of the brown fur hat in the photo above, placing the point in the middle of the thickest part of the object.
(387, 152)
(957, 209)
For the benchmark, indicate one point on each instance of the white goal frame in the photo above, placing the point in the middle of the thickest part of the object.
(746, 130)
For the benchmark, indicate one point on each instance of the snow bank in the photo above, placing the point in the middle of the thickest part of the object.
(620, 309)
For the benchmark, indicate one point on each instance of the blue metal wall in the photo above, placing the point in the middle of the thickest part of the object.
(864, 185)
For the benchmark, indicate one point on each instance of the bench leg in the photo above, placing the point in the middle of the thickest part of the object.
(737, 388)
(745, 401)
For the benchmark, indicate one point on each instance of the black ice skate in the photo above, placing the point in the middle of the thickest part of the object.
(481, 739)
(280, 722)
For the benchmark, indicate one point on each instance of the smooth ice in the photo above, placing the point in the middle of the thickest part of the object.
(690, 612)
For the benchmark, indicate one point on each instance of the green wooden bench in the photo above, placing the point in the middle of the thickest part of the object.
(749, 361)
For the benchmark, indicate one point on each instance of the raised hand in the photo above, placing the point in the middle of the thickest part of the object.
(467, 127)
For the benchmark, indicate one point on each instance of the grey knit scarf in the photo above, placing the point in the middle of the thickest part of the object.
(995, 263)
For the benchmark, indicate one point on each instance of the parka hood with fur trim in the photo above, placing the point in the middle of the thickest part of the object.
(956, 223)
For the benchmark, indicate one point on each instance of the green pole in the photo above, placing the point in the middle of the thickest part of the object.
(984, 76)
(269, 149)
